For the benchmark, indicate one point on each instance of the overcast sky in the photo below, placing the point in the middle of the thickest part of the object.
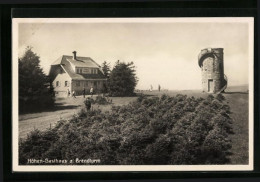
(164, 53)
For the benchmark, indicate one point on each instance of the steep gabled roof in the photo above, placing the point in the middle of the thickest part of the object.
(83, 62)
(79, 62)
(57, 61)
(65, 62)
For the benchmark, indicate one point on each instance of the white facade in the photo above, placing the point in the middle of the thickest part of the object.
(72, 73)
(62, 84)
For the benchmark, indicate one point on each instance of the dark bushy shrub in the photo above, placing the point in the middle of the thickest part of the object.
(151, 130)
(220, 97)
(101, 100)
(141, 97)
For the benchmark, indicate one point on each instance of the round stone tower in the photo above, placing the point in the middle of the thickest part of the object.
(212, 68)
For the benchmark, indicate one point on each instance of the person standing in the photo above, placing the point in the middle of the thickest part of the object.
(73, 94)
(151, 88)
(88, 104)
(84, 92)
(91, 91)
(159, 88)
(68, 93)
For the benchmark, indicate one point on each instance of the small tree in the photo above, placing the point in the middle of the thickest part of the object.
(122, 79)
(34, 88)
(106, 70)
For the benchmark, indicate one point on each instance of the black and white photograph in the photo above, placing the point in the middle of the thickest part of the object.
(132, 94)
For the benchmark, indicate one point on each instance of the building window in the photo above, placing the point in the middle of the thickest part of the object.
(79, 70)
(77, 83)
(57, 83)
(94, 71)
(86, 83)
(95, 83)
(66, 83)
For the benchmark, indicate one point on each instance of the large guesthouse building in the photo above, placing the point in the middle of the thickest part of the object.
(73, 73)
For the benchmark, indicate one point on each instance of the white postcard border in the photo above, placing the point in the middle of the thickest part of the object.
(50, 168)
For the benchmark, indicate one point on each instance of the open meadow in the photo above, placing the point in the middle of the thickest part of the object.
(236, 97)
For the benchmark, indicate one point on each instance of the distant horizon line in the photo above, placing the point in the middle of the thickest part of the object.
(245, 85)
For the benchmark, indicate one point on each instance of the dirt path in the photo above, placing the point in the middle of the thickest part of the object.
(43, 122)
(65, 109)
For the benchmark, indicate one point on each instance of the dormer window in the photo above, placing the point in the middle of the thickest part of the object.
(94, 71)
(83, 70)
(79, 70)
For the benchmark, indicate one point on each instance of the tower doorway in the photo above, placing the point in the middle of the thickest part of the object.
(210, 85)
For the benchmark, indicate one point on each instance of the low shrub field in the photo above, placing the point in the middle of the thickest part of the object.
(149, 131)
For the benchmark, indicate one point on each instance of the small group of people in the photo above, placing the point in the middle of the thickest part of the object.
(91, 91)
(73, 93)
(151, 88)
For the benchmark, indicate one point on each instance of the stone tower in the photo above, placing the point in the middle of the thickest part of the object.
(212, 68)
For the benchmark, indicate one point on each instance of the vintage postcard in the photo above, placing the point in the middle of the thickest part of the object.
(133, 94)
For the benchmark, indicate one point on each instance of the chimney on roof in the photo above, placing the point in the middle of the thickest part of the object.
(74, 55)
